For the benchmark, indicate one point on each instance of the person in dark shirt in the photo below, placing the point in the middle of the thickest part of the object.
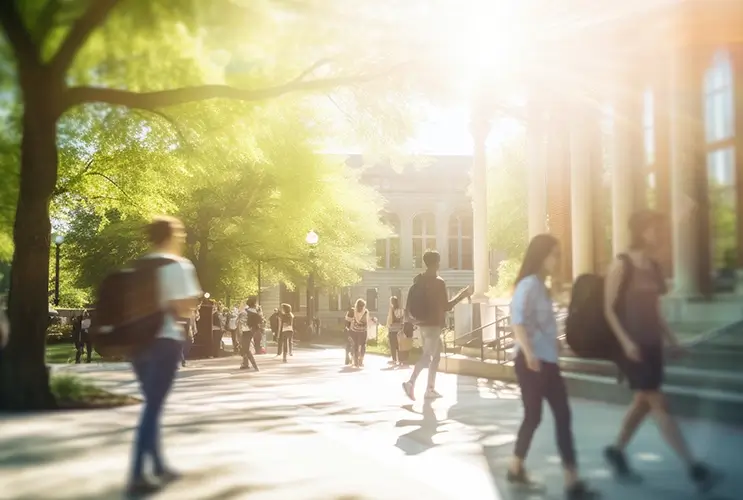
(430, 327)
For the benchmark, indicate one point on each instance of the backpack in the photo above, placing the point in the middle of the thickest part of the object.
(128, 315)
(254, 319)
(417, 301)
(587, 331)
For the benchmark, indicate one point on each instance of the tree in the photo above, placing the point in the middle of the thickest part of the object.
(69, 54)
(508, 200)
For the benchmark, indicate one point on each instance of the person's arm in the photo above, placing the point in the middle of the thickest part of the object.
(520, 304)
(459, 297)
(611, 292)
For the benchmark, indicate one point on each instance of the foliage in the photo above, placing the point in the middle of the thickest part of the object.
(508, 270)
(73, 392)
(507, 197)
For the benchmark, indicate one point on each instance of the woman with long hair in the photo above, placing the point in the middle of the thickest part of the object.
(536, 365)
(639, 326)
(286, 329)
(394, 327)
(359, 318)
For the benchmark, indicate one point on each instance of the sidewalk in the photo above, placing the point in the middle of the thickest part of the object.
(311, 429)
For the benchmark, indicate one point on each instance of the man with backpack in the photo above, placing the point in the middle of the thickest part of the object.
(138, 311)
(427, 305)
(250, 321)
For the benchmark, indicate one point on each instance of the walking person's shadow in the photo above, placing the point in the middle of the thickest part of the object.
(420, 438)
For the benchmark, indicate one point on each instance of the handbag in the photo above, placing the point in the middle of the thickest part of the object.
(404, 342)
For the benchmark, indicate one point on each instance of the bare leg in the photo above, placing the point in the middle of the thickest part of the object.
(669, 427)
(636, 414)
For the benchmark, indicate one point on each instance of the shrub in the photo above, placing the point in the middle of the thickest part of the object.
(508, 270)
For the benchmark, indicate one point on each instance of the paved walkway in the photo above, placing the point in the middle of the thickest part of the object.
(311, 429)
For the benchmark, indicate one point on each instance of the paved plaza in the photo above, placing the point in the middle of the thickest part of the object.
(314, 430)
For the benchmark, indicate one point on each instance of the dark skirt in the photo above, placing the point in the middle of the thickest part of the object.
(647, 374)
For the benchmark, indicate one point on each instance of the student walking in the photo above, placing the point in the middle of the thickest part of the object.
(637, 322)
(427, 304)
(536, 365)
(248, 321)
(286, 329)
(232, 316)
(394, 327)
(81, 333)
(156, 365)
(359, 319)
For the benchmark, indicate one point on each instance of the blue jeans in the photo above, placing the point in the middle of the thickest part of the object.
(431, 336)
(155, 369)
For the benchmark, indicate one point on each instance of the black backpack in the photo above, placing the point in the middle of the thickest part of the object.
(587, 332)
(128, 315)
(417, 302)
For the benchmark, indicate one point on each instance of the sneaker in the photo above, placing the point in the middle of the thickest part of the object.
(618, 463)
(392, 362)
(432, 394)
(142, 488)
(703, 477)
(522, 480)
(244, 367)
(409, 390)
(579, 491)
(169, 476)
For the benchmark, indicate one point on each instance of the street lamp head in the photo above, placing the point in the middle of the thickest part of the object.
(312, 238)
(207, 295)
(59, 239)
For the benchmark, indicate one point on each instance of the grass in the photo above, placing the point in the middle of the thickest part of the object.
(65, 353)
(73, 393)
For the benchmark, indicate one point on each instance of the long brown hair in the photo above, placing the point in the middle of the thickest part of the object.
(639, 222)
(539, 248)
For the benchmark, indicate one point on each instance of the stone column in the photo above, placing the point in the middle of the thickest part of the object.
(406, 239)
(536, 171)
(627, 157)
(686, 135)
(581, 190)
(480, 129)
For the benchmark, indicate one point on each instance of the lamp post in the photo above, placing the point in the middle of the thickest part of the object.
(312, 240)
(58, 240)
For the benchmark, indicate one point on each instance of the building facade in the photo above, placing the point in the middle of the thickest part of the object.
(427, 206)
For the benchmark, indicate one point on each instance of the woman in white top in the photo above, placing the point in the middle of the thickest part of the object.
(359, 319)
(394, 327)
(156, 366)
(286, 329)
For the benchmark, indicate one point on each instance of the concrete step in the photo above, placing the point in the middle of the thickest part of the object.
(676, 375)
(713, 404)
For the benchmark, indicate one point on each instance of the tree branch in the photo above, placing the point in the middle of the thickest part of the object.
(24, 48)
(116, 185)
(166, 98)
(82, 28)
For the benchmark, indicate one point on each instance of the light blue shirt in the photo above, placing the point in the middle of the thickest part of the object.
(531, 307)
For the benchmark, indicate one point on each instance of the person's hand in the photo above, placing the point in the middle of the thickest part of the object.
(466, 292)
(533, 363)
(632, 351)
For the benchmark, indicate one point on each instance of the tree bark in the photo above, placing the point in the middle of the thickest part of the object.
(24, 378)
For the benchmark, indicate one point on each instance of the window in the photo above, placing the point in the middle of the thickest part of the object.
(721, 179)
(460, 241)
(372, 299)
(424, 237)
(719, 121)
(719, 114)
(388, 250)
(346, 299)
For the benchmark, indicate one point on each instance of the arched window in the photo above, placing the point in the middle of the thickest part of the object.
(424, 237)
(460, 241)
(388, 249)
(719, 126)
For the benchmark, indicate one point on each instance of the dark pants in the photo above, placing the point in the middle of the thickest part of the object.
(349, 346)
(536, 386)
(358, 347)
(185, 349)
(248, 357)
(257, 340)
(155, 369)
(285, 343)
(394, 346)
(83, 345)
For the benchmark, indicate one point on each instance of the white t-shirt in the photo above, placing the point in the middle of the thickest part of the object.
(178, 281)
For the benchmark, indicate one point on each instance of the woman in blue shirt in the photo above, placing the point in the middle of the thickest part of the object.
(537, 371)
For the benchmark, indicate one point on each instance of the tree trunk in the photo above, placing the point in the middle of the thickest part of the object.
(24, 379)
